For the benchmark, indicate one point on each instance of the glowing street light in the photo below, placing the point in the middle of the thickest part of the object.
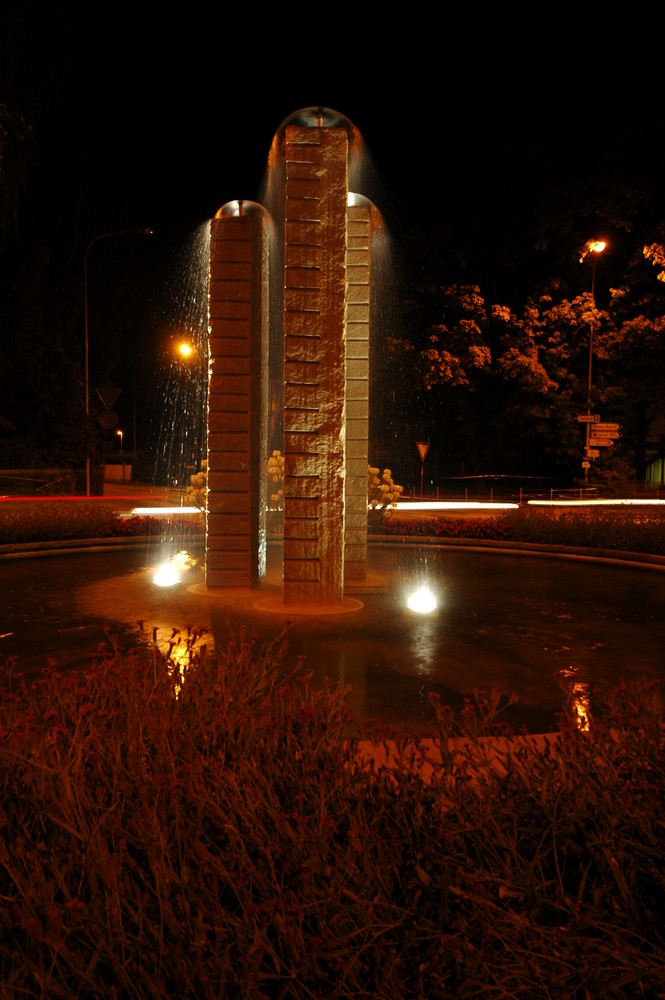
(102, 236)
(595, 247)
(122, 454)
(185, 350)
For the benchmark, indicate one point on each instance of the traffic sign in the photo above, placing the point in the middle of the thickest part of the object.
(592, 453)
(423, 448)
(605, 435)
(108, 395)
(108, 419)
(605, 428)
(588, 418)
(600, 442)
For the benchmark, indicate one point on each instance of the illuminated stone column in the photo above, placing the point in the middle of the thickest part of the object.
(357, 389)
(314, 363)
(237, 397)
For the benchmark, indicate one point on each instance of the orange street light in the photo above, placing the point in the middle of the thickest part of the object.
(185, 350)
(122, 454)
(595, 247)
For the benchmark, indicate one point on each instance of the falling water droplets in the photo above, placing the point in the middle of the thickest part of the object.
(181, 391)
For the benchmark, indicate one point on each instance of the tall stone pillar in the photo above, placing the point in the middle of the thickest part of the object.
(357, 389)
(314, 364)
(237, 397)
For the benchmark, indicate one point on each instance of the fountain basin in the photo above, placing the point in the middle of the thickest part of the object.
(511, 622)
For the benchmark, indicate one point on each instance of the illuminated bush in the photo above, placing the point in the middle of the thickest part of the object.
(382, 492)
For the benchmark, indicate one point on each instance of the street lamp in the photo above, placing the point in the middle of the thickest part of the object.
(185, 350)
(122, 454)
(595, 247)
(102, 236)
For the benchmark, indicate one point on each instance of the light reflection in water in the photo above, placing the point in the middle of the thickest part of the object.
(178, 652)
(425, 639)
(578, 697)
(580, 704)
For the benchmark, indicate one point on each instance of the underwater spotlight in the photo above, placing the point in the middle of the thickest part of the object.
(166, 575)
(170, 572)
(422, 601)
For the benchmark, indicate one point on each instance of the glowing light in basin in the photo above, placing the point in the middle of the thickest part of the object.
(170, 572)
(166, 575)
(422, 601)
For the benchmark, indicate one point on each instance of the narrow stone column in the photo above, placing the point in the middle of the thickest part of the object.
(357, 390)
(237, 400)
(314, 364)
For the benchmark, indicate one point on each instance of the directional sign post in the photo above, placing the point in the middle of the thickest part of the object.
(599, 434)
(603, 434)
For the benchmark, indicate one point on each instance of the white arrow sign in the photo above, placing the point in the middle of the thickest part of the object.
(600, 442)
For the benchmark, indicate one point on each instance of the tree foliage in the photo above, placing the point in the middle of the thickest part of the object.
(512, 382)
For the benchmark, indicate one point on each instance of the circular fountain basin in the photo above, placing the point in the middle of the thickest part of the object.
(515, 623)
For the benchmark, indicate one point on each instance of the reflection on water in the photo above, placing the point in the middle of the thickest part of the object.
(578, 697)
(424, 639)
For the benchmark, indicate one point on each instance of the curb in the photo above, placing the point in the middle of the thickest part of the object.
(632, 560)
(640, 560)
(27, 550)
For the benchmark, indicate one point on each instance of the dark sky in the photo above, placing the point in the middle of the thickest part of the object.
(148, 116)
(156, 118)
(161, 118)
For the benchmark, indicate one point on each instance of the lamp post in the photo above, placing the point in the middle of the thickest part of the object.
(122, 455)
(102, 236)
(595, 247)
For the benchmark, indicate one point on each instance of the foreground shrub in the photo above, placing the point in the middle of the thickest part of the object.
(45, 522)
(178, 824)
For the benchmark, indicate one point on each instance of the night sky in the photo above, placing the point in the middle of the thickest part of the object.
(161, 120)
(158, 120)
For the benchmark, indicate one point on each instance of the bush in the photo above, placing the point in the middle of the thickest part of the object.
(181, 824)
(68, 520)
(629, 529)
(632, 529)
